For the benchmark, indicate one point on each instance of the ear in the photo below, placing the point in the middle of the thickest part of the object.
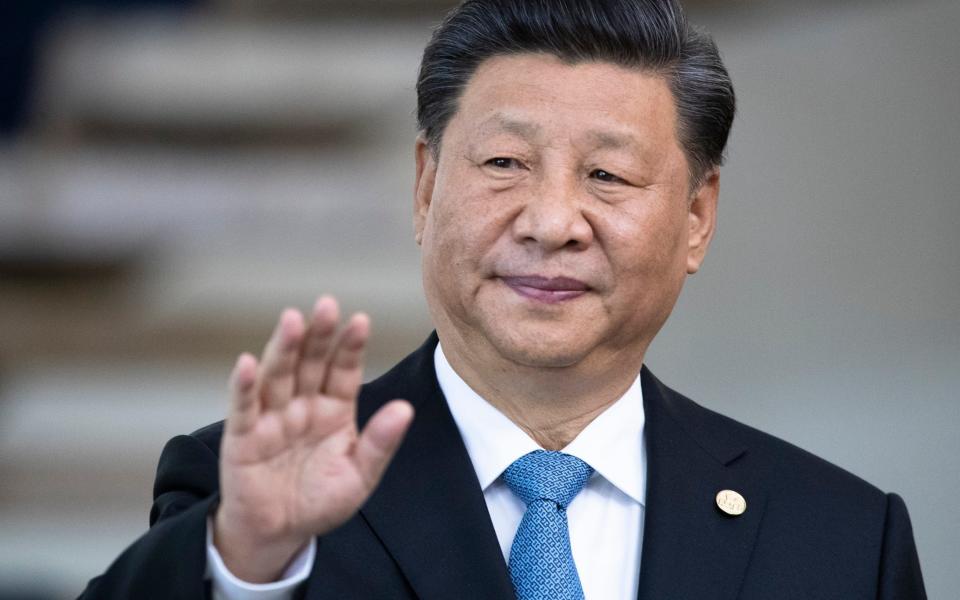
(423, 186)
(702, 220)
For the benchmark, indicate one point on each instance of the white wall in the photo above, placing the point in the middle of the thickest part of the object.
(828, 312)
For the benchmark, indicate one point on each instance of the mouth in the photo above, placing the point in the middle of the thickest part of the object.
(549, 290)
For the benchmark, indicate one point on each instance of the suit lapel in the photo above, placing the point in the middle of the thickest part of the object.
(691, 549)
(430, 514)
(429, 510)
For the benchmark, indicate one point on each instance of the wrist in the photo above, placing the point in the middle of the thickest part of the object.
(251, 557)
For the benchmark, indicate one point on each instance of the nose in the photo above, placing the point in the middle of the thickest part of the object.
(552, 218)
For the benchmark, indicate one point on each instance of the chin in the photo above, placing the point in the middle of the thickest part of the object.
(541, 347)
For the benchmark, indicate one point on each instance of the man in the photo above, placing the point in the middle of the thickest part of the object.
(567, 176)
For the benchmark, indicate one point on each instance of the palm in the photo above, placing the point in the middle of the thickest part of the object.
(293, 463)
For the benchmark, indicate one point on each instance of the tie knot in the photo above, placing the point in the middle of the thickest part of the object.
(547, 475)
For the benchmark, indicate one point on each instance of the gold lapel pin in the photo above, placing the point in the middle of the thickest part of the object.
(731, 502)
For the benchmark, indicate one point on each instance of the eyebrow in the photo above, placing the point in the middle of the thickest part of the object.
(507, 124)
(608, 139)
(528, 130)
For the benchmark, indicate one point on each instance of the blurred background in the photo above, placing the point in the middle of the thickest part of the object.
(175, 172)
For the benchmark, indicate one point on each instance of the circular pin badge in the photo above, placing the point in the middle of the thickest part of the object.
(731, 502)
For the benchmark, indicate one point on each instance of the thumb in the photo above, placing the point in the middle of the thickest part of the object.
(380, 439)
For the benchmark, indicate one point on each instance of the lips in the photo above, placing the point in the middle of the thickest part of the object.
(550, 290)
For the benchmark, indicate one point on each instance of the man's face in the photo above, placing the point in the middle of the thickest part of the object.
(557, 224)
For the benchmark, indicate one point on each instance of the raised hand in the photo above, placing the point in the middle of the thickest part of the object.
(292, 463)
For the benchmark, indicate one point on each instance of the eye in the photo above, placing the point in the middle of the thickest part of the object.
(502, 162)
(605, 176)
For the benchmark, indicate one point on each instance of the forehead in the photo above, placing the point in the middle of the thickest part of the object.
(538, 96)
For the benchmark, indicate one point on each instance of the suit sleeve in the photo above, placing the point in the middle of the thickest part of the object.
(169, 560)
(900, 577)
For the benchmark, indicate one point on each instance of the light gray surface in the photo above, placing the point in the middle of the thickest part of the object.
(828, 312)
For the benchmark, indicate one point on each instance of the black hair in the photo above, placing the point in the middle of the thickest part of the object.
(651, 35)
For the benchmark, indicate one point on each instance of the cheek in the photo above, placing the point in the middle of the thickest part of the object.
(466, 225)
(648, 256)
(649, 239)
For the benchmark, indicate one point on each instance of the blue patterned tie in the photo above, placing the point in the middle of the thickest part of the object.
(541, 563)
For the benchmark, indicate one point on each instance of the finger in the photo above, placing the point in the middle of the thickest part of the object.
(244, 407)
(345, 370)
(316, 345)
(380, 439)
(278, 367)
(296, 418)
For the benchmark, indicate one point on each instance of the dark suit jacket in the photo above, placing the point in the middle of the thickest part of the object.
(810, 531)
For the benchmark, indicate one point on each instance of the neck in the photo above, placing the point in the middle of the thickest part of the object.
(551, 404)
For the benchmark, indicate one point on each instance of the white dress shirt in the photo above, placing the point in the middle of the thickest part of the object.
(606, 517)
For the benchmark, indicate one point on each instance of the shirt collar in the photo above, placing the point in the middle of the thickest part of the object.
(612, 443)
